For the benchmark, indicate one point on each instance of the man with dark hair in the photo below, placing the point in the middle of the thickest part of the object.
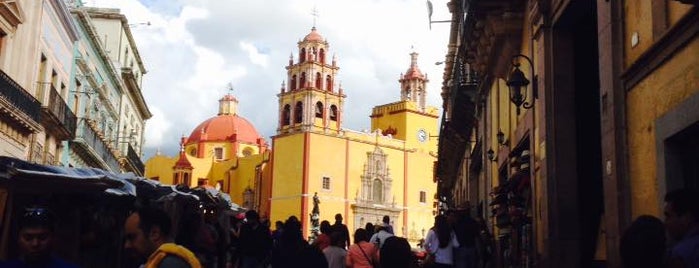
(342, 229)
(387, 224)
(682, 223)
(255, 241)
(35, 240)
(147, 235)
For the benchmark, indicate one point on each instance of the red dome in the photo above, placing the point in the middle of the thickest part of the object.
(413, 72)
(223, 128)
(313, 36)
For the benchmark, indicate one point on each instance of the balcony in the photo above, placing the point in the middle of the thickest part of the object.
(20, 106)
(56, 116)
(135, 161)
(92, 148)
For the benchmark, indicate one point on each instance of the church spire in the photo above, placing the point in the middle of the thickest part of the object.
(413, 83)
(228, 105)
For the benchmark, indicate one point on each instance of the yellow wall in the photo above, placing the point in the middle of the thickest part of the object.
(639, 20)
(343, 158)
(665, 88)
(287, 177)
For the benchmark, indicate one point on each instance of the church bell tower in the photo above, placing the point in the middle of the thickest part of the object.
(310, 98)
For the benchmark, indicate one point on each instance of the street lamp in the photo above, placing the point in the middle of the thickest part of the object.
(501, 138)
(491, 155)
(518, 83)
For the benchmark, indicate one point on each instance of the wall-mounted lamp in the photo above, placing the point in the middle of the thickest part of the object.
(518, 83)
(491, 155)
(501, 138)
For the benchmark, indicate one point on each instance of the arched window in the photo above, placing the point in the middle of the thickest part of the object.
(293, 82)
(322, 56)
(328, 83)
(319, 110)
(176, 178)
(377, 191)
(286, 115)
(186, 179)
(319, 81)
(333, 112)
(302, 83)
(298, 112)
(302, 55)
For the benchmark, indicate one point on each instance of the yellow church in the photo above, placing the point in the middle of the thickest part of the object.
(363, 175)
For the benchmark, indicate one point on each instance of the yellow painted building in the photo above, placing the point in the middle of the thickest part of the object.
(362, 175)
(225, 151)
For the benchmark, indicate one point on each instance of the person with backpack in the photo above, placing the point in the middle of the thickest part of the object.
(380, 236)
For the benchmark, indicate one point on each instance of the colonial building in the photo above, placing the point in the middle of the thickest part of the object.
(565, 120)
(35, 60)
(362, 175)
(126, 71)
(224, 151)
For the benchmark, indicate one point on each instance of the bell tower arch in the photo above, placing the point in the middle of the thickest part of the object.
(311, 101)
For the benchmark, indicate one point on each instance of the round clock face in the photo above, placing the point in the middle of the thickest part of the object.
(421, 135)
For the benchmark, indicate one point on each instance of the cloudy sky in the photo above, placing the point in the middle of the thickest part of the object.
(193, 48)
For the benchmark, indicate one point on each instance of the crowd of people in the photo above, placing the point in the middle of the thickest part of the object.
(455, 240)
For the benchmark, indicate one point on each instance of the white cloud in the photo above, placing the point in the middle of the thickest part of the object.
(193, 48)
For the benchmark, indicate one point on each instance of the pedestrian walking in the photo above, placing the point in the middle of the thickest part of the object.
(682, 223)
(255, 241)
(342, 228)
(294, 252)
(643, 243)
(362, 254)
(147, 235)
(380, 236)
(440, 242)
(335, 253)
(396, 253)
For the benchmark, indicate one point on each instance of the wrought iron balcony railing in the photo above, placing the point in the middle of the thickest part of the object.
(56, 114)
(91, 139)
(135, 160)
(19, 99)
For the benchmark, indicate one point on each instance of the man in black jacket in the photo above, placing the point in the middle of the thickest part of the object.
(255, 241)
(342, 229)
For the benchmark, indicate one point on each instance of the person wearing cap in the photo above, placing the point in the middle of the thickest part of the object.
(147, 235)
(35, 240)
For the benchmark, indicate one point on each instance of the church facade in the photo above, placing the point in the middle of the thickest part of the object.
(363, 175)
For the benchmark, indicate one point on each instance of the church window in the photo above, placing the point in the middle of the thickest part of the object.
(326, 183)
(298, 112)
(302, 55)
(293, 83)
(319, 80)
(176, 178)
(302, 83)
(319, 110)
(193, 152)
(218, 153)
(322, 56)
(247, 151)
(377, 191)
(286, 115)
(186, 179)
(333, 112)
(423, 197)
(328, 83)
